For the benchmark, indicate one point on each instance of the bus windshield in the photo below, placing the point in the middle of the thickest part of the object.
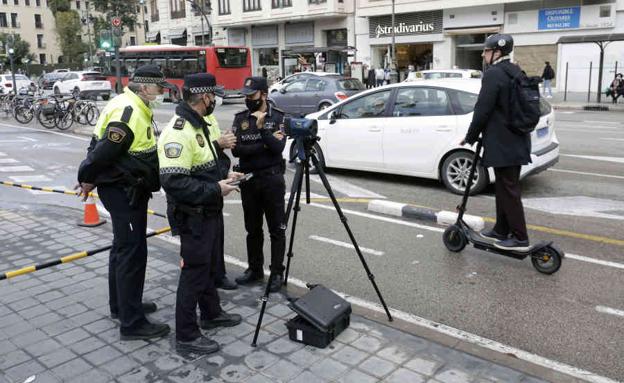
(232, 57)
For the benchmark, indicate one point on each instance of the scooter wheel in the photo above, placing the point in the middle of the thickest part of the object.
(454, 238)
(547, 260)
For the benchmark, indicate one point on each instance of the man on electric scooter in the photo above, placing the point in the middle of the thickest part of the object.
(504, 150)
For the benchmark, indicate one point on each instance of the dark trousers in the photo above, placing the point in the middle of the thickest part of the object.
(128, 256)
(509, 209)
(264, 196)
(202, 251)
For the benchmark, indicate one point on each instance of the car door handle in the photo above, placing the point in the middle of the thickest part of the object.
(443, 128)
(374, 129)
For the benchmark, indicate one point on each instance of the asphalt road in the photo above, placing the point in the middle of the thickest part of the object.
(560, 317)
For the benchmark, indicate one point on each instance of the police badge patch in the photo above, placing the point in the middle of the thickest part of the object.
(244, 124)
(116, 135)
(200, 140)
(173, 150)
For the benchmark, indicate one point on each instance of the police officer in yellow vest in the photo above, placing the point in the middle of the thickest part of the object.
(221, 142)
(192, 176)
(123, 164)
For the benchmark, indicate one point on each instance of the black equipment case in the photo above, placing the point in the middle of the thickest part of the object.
(323, 315)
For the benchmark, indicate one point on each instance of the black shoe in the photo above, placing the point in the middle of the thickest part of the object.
(148, 308)
(513, 244)
(146, 331)
(223, 320)
(250, 276)
(226, 284)
(276, 283)
(202, 345)
(492, 235)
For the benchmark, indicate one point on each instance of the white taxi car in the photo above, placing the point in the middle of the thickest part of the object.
(414, 129)
(84, 84)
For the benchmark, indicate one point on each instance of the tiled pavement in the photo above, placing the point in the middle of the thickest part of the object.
(54, 324)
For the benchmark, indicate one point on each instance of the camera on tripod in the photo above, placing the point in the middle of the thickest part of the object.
(300, 127)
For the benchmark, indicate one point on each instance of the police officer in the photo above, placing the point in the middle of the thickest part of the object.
(259, 146)
(221, 142)
(123, 164)
(192, 176)
(504, 150)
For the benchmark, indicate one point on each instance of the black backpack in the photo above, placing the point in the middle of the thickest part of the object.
(524, 101)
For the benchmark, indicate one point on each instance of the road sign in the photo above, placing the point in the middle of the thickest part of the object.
(116, 22)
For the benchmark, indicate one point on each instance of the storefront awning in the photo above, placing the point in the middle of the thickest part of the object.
(591, 38)
(152, 36)
(176, 33)
(470, 31)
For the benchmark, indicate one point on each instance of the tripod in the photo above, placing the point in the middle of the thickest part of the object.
(305, 153)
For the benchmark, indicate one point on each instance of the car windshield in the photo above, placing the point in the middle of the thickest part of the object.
(350, 84)
(20, 77)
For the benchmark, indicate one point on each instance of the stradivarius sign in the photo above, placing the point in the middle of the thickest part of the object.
(406, 24)
(402, 29)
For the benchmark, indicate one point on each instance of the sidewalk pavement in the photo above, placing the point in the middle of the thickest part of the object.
(55, 324)
(578, 101)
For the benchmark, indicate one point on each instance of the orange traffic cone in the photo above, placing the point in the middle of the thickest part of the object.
(91, 215)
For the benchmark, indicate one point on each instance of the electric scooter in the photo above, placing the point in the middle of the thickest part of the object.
(546, 257)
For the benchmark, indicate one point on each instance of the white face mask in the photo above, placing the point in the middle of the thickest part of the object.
(157, 101)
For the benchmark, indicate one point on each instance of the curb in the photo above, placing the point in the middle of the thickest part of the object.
(442, 217)
(587, 107)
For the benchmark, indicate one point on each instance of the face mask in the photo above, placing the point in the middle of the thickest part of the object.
(157, 101)
(253, 105)
(209, 107)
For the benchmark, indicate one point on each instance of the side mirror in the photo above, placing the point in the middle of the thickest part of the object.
(282, 91)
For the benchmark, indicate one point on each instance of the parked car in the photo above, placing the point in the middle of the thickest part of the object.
(297, 76)
(6, 82)
(309, 94)
(84, 84)
(47, 80)
(61, 70)
(435, 74)
(414, 129)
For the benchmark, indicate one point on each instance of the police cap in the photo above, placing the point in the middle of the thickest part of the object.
(197, 83)
(253, 84)
(151, 74)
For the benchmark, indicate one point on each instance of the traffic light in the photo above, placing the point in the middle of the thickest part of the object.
(106, 40)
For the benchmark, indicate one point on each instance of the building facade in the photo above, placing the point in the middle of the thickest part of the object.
(175, 22)
(33, 21)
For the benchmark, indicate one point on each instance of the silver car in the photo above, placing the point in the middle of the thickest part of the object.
(308, 95)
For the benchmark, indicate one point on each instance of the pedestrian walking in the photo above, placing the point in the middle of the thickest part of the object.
(380, 75)
(260, 142)
(616, 89)
(548, 75)
(504, 150)
(192, 176)
(122, 163)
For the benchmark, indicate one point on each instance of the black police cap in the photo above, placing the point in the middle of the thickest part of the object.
(197, 83)
(151, 74)
(253, 84)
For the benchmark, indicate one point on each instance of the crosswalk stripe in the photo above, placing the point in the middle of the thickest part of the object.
(10, 169)
(33, 178)
(8, 161)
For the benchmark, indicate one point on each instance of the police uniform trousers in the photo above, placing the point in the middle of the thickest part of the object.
(509, 209)
(263, 195)
(201, 241)
(128, 256)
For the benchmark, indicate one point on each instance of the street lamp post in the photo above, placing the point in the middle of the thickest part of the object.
(394, 76)
(142, 2)
(12, 61)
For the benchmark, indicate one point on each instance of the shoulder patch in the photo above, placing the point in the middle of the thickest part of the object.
(200, 140)
(127, 113)
(115, 135)
(179, 124)
(173, 150)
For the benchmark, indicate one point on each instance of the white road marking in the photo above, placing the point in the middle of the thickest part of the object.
(609, 310)
(611, 139)
(346, 245)
(8, 161)
(619, 160)
(602, 122)
(46, 131)
(594, 261)
(586, 173)
(35, 178)
(39, 192)
(441, 328)
(9, 169)
(344, 187)
(2, 154)
(580, 206)
(27, 138)
(303, 196)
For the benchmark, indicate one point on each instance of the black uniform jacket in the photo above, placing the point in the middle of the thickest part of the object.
(501, 146)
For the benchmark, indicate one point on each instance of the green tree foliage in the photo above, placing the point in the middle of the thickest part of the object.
(59, 6)
(21, 48)
(69, 31)
(125, 9)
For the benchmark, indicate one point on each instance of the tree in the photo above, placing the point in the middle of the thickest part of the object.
(125, 9)
(21, 48)
(59, 6)
(69, 31)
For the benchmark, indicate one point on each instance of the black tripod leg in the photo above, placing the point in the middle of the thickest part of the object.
(293, 190)
(296, 183)
(265, 299)
(343, 219)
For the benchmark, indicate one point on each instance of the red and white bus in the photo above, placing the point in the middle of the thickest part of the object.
(230, 65)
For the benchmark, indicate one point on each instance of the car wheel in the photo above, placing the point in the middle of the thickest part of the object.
(456, 169)
(318, 153)
(324, 105)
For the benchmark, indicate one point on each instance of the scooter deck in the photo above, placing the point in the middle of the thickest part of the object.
(488, 245)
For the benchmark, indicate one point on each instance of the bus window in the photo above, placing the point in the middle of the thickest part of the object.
(131, 65)
(232, 57)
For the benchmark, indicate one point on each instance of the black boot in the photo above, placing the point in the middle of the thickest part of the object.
(226, 284)
(276, 283)
(201, 345)
(250, 276)
(223, 320)
(146, 330)
(148, 308)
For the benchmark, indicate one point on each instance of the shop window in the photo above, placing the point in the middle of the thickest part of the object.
(251, 5)
(268, 56)
(421, 101)
(224, 7)
(317, 1)
(512, 19)
(369, 106)
(605, 11)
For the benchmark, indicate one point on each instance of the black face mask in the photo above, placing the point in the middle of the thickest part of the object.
(253, 105)
(209, 108)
